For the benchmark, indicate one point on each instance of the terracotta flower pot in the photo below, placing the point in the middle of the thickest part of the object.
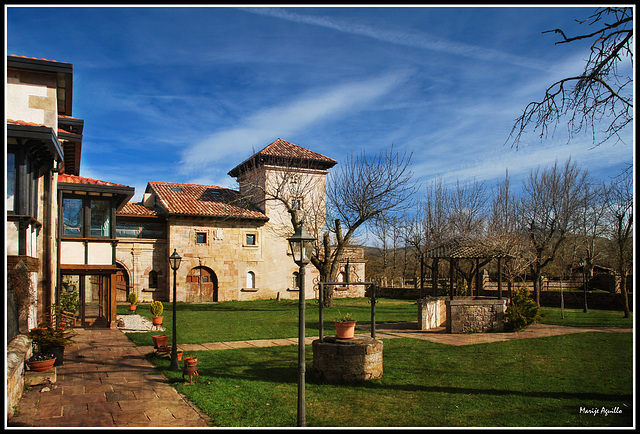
(345, 329)
(132, 307)
(156, 320)
(160, 341)
(191, 361)
(41, 365)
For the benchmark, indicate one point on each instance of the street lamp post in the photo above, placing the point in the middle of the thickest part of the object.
(301, 243)
(583, 264)
(174, 262)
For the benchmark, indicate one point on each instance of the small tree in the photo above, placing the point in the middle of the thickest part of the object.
(522, 310)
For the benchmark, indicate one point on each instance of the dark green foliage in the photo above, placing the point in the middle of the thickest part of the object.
(522, 311)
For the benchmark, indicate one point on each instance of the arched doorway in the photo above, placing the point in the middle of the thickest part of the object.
(122, 283)
(202, 285)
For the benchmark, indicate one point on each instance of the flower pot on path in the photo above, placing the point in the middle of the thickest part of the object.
(160, 341)
(156, 320)
(57, 351)
(41, 365)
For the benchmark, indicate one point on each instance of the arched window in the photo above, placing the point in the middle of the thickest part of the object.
(251, 280)
(296, 280)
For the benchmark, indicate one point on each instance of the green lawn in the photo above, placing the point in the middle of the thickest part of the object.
(523, 383)
(547, 382)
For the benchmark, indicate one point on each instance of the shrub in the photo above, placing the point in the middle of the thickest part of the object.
(156, 308)
(69, 301)
(522, 310)
(132, 298)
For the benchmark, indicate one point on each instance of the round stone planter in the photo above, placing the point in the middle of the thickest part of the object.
(347, 360)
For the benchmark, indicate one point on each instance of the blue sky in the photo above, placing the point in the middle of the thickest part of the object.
(185, 94)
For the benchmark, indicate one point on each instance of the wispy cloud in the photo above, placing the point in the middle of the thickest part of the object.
(409, 39)
(285, 120)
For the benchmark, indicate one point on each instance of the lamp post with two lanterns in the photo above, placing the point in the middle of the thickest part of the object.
(301, 243)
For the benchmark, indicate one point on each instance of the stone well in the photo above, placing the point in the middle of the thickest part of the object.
(347, 360)
(475, 314)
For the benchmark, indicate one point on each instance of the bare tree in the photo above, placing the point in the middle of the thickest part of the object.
(467, 218)
(548, 212)
(601, 93)
(590, 226)
(619, 201)
(363, 188)
(432, 228)
(503, 234)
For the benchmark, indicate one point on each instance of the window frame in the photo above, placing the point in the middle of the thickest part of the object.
(246, 239)
(201, 233)
(85, 217)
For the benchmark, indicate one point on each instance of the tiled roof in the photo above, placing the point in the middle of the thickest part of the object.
(465, 250)
(32, 58)
(203, 200)
(72, 179)
(25, 123)
(137, 209)
(282, 152)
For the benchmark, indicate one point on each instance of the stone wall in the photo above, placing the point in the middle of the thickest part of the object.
(475, 315)
(18, 350)
(432, 312)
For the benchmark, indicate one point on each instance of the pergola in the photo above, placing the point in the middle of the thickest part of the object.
(456, 250)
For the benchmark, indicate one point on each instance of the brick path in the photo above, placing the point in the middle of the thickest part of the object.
(106, 381)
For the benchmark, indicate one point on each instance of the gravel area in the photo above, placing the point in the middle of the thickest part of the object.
(136, 324)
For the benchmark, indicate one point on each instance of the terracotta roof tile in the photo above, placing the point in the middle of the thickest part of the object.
(32, 58)
(73, 179)
(282, 152)
(137, 209)
(203, 200)
(25, 123)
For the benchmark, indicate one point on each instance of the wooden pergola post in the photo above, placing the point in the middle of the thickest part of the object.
(499, 278)
(451, 277)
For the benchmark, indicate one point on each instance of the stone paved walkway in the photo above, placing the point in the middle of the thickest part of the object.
(106, 381)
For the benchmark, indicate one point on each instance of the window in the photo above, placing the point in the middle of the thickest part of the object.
(11, 181)
(296, 204)
(153, 279)
(74, 211)
(201, 238)
(251, 280)
(100, 218)
(296, 280)
(126, 229)
(250, 240)
(72, 217)
(22, 184)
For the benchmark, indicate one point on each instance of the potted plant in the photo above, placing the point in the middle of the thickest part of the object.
(41, 362)
(132, 298)
(51, 340)
(156, 308)
(345, 326)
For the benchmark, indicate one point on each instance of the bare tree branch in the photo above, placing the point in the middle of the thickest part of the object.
(599, 94)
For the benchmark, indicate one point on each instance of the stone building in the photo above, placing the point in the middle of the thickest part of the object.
(232, 242)
(59, 229)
